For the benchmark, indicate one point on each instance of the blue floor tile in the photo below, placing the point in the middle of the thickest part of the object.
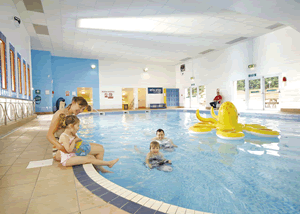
(119, 202)
(86, 182)
(109, 196)
(158, 212)
(145, 210)
(131, 207)
(93, 186)
(100, 191)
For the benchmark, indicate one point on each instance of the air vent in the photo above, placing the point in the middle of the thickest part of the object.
(41, 29)
(236, 40)
(185, 59)
(274, 26)
(207, 51)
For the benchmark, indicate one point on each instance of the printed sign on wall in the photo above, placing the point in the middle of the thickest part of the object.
(155, 90)
(108, 94)
(67, 93)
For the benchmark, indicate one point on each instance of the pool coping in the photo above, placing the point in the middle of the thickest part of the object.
(130, 201)
(123, 198)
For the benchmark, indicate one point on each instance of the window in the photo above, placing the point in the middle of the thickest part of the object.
(13, 70)
(20, 75)
(25, 80)
(3, 64)
(29, 85)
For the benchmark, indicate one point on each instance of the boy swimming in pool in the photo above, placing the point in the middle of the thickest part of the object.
(156, 159)
(166, 143)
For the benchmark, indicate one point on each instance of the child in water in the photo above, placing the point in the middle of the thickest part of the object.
(156, 159)
(166, 143)
(69, 138)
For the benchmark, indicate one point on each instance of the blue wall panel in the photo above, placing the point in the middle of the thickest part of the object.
(71, 73)
(41, 78)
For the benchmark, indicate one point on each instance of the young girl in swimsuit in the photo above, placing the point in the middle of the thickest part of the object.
(68, 140)
(154, 157)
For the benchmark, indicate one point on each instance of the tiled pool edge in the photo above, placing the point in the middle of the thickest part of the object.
(122, 198)
(267, 115)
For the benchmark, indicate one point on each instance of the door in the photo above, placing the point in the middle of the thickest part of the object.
(194, 97)
(272, 90)
(128, 98)
(142, 97)
(240, 94)
(202, 97)
(255, 93)
(187, 101)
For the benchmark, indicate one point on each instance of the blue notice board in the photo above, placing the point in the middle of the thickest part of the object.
(155, 90)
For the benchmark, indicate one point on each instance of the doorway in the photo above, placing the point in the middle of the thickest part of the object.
(142, 97)
(128, 98)
(263, 92)
(87, 94)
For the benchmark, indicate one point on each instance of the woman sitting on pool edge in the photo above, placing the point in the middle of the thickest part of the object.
(165, 143)
(68, 139)
(77, 106)
(156, 159)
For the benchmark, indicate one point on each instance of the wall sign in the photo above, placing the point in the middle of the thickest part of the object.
(67, 93)
(37, 91)
(108, 94)
(252, 75)
(47, 92)
(155, 90)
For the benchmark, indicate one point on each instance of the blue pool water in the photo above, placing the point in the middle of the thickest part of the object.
(254, 175)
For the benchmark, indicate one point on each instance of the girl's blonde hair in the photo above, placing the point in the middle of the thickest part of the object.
(64, 120)
(154, 144)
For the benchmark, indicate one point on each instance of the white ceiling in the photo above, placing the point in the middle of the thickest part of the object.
(183, 29)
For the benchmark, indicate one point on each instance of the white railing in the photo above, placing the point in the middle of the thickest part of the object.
(13, 109)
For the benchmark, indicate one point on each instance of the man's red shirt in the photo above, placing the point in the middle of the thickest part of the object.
(218, 98)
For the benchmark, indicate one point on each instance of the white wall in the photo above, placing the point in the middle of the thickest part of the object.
(117, 75)
(279, 53)
(216, 70)
(18, 37)
(274, 53)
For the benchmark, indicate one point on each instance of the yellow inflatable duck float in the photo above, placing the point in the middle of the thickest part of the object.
(227, 126)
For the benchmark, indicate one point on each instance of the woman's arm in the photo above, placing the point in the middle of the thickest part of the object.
(52, 129)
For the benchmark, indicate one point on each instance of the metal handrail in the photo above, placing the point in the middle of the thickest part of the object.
(15, 109)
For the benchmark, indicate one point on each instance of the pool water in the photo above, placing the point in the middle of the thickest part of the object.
(253, 175)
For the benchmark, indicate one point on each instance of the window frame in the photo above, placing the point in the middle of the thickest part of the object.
(3, 69)
(25, 80)
(13, 70)
(20, 74)
(29, 83)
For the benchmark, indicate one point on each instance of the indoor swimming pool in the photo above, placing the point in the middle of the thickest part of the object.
(253, 175)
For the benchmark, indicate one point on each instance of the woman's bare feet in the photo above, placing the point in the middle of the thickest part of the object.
(102, 169)
(113, 162)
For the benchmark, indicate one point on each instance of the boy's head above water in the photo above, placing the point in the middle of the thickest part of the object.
(160, 134)
(154, 147)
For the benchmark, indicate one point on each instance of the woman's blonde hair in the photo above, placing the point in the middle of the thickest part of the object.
(154, 144)
(64, 120)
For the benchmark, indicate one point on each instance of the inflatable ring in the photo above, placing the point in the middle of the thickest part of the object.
(200, 129)
(230, 135)
(262, 132)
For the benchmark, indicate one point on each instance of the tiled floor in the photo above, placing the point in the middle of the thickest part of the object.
(51, 189)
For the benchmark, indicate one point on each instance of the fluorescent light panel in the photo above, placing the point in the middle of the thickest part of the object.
(140, 24)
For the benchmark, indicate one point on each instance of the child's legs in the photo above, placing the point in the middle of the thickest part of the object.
(77, 160)
(97, 150)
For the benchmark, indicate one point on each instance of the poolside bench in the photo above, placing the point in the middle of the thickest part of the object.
(157, 105)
